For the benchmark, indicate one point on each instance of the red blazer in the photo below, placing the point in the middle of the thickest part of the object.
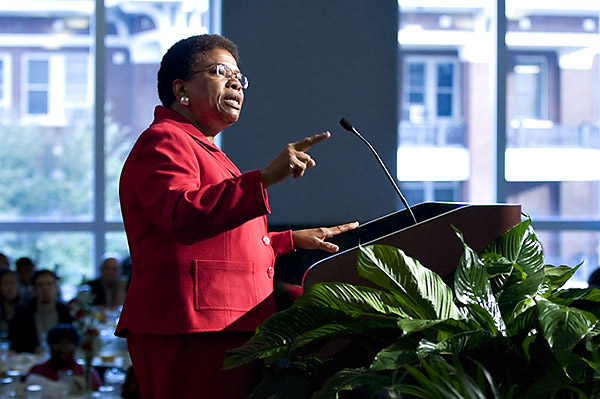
(197, 232)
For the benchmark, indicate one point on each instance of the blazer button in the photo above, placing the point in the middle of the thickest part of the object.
(266, 240)
(270, 272)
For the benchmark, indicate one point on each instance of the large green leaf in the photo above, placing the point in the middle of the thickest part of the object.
(468, 341)
(397, 355)
(381, 332)
(435, 377)
(563, 327)
(520, 246)
(559, 275)
(587, 299)
(422, 291)
(437, 330)
(351, 379)
(274, 337)
(353, 300)
(472, 288)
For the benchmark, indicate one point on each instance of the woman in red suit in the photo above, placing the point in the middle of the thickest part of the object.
(202, 259)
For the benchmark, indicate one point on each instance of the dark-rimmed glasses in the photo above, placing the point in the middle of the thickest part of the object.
(225, 72)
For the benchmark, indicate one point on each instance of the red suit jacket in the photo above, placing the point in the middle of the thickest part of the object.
(197, 232)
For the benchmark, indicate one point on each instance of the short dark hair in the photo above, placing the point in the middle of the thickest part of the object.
(23, 262)
(178, 61)
(63, 330)
(42, 272)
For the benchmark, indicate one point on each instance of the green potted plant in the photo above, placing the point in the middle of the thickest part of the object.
(502, 326)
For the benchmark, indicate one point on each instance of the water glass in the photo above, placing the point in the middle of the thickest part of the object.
(65, 378)
(16, 380)
(34, 392)
(115, 377)
(107, 392)
(5, 385)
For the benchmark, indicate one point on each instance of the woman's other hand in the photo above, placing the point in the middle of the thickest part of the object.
(315, 238)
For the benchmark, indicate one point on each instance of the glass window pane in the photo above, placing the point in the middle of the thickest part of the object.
(553, 96)
(47, 85)
(444, 104)
(132, 67)
(416, 98)
(445, 74)
(77, 80)
(38, 72)
(38, 102)
(46, 173)
(47, 150)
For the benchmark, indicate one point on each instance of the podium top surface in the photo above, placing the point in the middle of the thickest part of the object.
(400, 225)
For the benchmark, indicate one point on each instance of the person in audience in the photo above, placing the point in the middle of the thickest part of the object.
(8, 299)
(63, 340)
(594, 279)
(33, 320)
(25, 270)
(4, 262)
(108, 289)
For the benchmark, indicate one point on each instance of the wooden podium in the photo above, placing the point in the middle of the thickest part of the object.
(431, 240)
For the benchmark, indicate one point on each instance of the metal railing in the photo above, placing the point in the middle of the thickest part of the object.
(439, 134)
(554, 136)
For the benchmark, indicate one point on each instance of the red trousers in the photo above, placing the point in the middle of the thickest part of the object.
(187, 366)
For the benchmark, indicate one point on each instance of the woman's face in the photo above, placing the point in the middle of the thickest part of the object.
(215, 101)
(8, 286)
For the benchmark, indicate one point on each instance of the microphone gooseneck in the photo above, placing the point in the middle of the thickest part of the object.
(348, 126)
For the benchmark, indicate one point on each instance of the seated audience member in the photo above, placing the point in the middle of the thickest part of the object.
(594, 279)
(25, 270)
(33, 320)
(108, 289)
(8, 299)
(63, 340)
(4, 262)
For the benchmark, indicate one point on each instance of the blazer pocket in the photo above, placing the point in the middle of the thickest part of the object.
(224, 285)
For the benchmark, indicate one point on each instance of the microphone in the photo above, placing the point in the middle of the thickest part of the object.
(348, 126)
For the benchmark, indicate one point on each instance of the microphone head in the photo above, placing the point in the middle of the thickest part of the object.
(346, 124)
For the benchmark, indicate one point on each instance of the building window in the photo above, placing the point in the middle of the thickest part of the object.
(530, 85)
(430, 89)
(77, 78)
(54, 86)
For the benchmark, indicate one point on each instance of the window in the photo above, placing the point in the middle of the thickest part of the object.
(77, 81)
(430, 89)
(530, 82)
(37, 87)
(55, 87)
(59, 162)
(548, 157)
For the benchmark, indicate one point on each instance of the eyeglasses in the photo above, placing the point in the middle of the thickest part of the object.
(225, 72)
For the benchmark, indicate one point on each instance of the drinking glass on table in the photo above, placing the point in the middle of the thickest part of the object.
(5, 384)
(34, 392)
(107, 392)
(65, 378)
